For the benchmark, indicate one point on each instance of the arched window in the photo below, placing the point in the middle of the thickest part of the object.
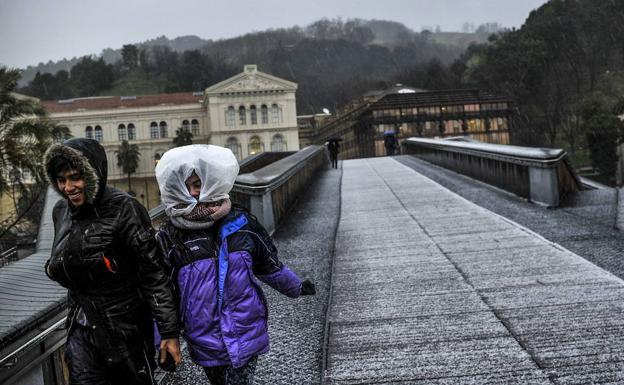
(234, 146)
(163, 130)
(264, 111)
(122, 133)
(185, 125)
(242, 115)
(255, 145)
(195, 127)
(230, 117)
(253, 114)
(89, 132)
(154, 130)
(275, 114)
(98, 134)
(131, 132)
(278, 143)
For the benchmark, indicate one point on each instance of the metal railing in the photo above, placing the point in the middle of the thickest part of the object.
(8, 256)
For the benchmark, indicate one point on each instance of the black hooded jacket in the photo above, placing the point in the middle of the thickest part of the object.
(106, 254)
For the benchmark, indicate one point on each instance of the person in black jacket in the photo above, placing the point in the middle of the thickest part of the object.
(334, 148)
(106, 254)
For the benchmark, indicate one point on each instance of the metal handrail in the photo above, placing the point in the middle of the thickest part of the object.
(33, 341)
(8, 256)
(8, 252)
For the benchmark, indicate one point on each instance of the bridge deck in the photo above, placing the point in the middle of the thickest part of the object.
(427, 288)
(430, 288)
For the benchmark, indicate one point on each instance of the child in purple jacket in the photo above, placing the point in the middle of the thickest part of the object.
(215, 252)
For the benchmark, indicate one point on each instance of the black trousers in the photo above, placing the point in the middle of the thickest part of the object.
(227, 375)
(334, 161)
(87, 366)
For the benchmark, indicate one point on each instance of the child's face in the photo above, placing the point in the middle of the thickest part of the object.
(193, 185)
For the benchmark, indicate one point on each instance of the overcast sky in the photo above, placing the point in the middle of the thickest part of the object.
(33, 31)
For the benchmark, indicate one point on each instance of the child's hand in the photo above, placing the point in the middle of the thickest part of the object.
(307, 288)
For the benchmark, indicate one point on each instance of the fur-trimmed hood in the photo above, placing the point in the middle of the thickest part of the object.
(88, 157)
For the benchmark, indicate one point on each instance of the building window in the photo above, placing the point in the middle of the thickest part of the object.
(242, 115)
(131, 132)
(122, 133)
(195, 127)
(154, 130)
(230, 117)
(89, 132)
(255, 145)
(163, 130)
(264, 112)
(234, 146)
(185, 125)
(275, 115)
(98, 134)
(253, 114)
(278, 143)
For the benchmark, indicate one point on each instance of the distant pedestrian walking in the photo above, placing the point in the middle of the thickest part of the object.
(215, 251)
(390, 142)
(334, 148)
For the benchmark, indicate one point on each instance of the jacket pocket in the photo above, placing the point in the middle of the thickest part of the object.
(260, 293)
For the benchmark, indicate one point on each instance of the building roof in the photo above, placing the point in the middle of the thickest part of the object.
(434, 98)
(249, 81)
(95, 103)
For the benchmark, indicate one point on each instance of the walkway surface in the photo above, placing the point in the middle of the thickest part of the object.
(584, 224)
(429, 288)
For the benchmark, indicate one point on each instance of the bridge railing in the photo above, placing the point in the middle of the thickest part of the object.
(8, 256)
(270, 191)
(32, 312)
(541, 175)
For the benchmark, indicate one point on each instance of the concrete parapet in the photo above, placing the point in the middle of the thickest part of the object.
(271, 190)
(541, 175)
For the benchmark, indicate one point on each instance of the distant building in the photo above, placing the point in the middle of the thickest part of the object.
(409, 112)
(250, 112)
(309, 127)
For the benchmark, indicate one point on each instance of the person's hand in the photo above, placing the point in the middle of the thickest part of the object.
(171, 346)
(307, 288)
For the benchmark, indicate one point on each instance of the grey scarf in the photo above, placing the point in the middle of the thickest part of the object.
(203, 215)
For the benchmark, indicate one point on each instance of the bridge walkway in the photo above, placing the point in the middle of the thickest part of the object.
(429, 288)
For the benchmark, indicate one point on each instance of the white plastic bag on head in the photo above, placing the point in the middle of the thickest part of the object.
(215, 166)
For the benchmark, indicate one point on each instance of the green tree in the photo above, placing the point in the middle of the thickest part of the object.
(601, 111)
(603, 130)
(128, 159)
(183, 137)
(25, 135)
(89, 76)
(50, 87)
(195, 71)
(130, 56)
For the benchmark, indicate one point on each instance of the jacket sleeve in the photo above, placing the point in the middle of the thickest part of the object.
(154, 282)
(266, 266)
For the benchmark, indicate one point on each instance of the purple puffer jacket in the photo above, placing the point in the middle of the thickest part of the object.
(222, 305)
